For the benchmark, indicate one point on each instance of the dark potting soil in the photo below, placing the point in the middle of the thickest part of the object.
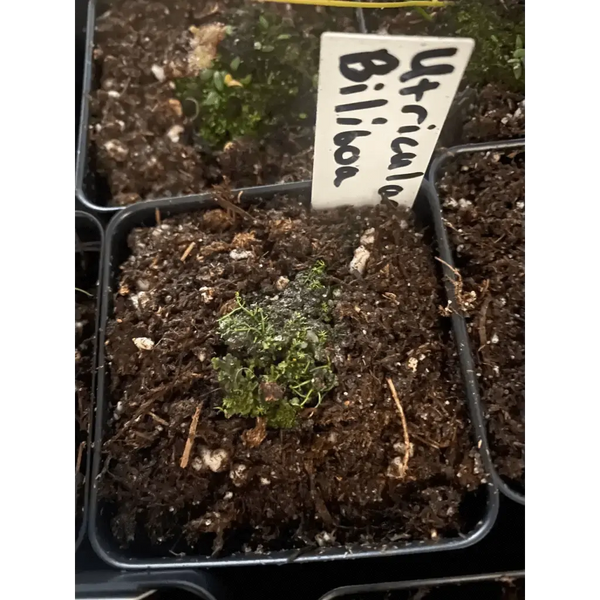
(337, 477)
(85, 314)
(484, 207)
(496, 114)
(145, 143)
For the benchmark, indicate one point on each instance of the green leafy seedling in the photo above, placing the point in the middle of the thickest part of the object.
(277, 361)
(517, 60)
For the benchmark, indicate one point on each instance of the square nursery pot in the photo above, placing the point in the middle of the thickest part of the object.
(483, 504)
(499, 152)
(88, 253)
(91, 187)
(158, 585)
(495, 586)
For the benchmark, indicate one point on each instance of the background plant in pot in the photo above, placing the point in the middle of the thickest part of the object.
(490, 104)
(187, 93)
(263, 77)
(484, 206)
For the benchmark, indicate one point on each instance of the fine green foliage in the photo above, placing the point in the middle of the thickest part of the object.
(277, 361)
(517, 60)
(258, 81)
(496, 31)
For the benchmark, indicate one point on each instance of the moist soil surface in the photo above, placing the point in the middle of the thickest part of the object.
(484, 207)
(85, 314)
(143, 143)
(335, 478)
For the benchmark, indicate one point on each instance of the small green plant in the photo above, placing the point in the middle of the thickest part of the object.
(258, 80)
(277, 361)
(313, 278)
(517, 60)
(496, 32)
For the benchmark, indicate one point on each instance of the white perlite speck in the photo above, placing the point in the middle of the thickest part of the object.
(117, 150)
(174, 133)
(158, 72)
(368, 237)
(215, 460)
(281, 283)
(237, 254)
(358, 263)
(143, 343)
(238, 474)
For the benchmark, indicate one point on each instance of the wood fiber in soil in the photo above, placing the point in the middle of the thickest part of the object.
(484, 207)
(131, 111)
(331, 480)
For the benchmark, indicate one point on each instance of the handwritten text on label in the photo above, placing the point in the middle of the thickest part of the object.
(381, 106)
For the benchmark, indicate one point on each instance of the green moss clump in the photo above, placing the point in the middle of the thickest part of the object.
(259, 80)
(277, 361)
(498, 32)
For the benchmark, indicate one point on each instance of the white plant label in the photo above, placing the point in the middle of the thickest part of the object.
(382, 102)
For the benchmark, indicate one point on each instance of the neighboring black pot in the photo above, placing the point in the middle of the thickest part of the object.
(88, 257)
(467, 361)
(80, 21)
(111, 584)
(86, 180)
(466, 587)
(144, 214)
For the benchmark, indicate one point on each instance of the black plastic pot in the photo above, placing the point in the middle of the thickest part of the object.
(86, 181)
(144, 214)
(466, 587)
(80, 21)
(88, 257)
(103, 584)
(467, 361)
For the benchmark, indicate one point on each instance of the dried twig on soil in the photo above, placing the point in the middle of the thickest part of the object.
(404, 425)
(190, 440)
(158, 419)
(465, 301)
(482, 318)
(84, 292)
(187, 251)
(453, 269)
(427, 442)
(157, 216)
(79, 456)
(223, 196)
(138, 413)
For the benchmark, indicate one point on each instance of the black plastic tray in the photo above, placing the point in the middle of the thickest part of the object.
(478, 584)
(85, 178)
(467, 361)
(104, 584)
(90, 234)
(143, 214)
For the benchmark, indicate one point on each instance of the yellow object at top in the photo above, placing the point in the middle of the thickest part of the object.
(360, 4)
